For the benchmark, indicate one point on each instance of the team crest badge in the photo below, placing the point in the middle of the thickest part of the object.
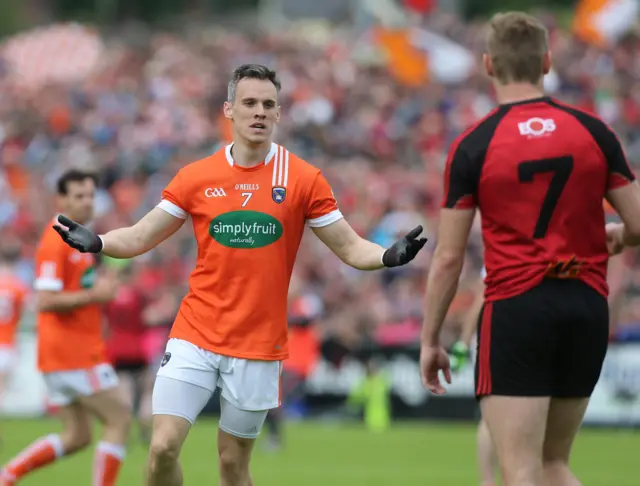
(278, 194)
(165, 359)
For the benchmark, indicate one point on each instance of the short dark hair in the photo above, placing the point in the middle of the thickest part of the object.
(74, 175)
(251, 71)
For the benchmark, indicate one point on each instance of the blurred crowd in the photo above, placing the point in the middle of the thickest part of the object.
(155, 106)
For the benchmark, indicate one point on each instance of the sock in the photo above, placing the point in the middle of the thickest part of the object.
(42, 452)
(107, 462)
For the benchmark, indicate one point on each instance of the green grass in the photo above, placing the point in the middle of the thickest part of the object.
(320, 454)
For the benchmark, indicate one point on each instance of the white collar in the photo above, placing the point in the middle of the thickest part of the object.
(270, 155)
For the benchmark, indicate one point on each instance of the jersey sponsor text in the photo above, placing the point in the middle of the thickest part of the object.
(245, 229)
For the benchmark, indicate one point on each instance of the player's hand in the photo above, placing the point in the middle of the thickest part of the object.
(104, 289)
(77, 236)
(405, 249)
(615, 235)
(459, 356)
(434, 359)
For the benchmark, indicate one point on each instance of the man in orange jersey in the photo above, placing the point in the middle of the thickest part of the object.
(249, 204)
(12, 296)
(71, 353)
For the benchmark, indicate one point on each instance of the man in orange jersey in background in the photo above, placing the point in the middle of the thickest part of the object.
(12, 297)
(249, 204)
(71, 352)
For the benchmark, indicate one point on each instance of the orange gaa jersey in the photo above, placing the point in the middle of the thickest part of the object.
(248, 223)
(67, 340)
(12, 296)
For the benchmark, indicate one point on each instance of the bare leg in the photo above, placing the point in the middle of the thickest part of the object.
(127, 386)
(168, 436)
(487, 459)
(176, 405)
(75, 436)
(565, 418)
(112, 409)
(274, 427)
(110, 406)
(145, 416)
(235, 455)
(517, 426)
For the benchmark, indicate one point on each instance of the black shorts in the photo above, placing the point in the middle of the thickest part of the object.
(549, 341)
(130, 366)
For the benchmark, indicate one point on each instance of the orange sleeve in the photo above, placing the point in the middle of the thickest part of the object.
(174, 197)
(50, 262)
(322, 208)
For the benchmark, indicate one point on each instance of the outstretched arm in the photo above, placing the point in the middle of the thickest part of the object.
(365, 255)
(155, 227)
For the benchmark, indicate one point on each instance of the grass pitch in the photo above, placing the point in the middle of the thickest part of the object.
(319, 454)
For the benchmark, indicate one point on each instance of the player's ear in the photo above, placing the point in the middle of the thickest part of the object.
(546, 63)
(488, 66)
(278, 111)
(228, 110)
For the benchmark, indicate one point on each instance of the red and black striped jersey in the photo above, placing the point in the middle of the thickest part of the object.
(538, 171)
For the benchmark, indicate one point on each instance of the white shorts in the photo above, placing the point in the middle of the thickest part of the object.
(7, 359)
(64, 387)
(246, 384)
(181, 399)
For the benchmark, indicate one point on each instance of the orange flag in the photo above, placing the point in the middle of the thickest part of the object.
(408, 64)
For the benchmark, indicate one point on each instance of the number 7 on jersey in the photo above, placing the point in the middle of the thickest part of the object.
(561, 167)
(247, 196)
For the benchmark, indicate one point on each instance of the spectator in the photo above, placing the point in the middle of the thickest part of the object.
(147, 112)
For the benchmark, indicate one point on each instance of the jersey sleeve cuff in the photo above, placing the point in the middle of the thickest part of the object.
(616, 181)
(50, 284)
(172, 209)
(325, 220)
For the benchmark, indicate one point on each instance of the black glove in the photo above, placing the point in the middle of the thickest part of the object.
(404, 250)
(77, 236)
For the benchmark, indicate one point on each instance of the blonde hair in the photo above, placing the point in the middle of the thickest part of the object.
(517, 44)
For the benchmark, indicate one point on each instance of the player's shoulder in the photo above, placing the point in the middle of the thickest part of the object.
(573, 110)
(478, 136)
(302, 165)
(296, 165)
(590, 120)
(47, 239)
